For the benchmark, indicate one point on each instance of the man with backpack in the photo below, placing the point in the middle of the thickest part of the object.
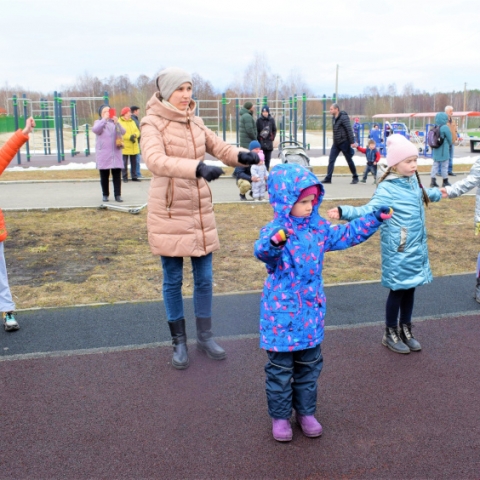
(439, 138)
(343, 141)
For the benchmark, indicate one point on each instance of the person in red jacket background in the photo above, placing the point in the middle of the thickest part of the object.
(373, 157)
(7, 152)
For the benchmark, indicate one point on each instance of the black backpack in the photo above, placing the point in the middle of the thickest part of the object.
(434, 138)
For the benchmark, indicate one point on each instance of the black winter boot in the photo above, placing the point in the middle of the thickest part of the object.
(446, 183)
(392, 341)
(406, 335)
(205, 342)
(477, 290)
(179, 341)
(433, 183)
(243, 198)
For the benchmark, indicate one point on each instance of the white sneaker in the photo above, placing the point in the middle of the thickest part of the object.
(9, 322)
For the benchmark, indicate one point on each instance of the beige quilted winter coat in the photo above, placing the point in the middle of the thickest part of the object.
(180, 218)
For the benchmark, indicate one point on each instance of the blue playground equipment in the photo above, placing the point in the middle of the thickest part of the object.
(401, 129)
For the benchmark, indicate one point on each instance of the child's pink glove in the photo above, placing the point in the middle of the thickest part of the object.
(384, 213)
(279, 238)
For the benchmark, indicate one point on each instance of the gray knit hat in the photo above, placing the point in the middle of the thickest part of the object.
(170, 79)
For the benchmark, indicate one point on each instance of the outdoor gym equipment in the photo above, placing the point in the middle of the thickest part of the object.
(285, 112)
(51, 115)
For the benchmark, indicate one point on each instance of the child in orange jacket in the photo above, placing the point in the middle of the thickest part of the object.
(7, 152)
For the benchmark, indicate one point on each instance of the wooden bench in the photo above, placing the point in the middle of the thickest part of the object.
(473, 142)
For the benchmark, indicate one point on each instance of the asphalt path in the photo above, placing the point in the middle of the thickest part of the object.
(87, 193)
(140, 325)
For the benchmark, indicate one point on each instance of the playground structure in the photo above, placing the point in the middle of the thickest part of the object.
(51, 118)
(414, 134)
(299, 119)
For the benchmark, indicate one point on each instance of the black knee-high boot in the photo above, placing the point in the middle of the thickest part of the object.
(179, 341)
(205, 341)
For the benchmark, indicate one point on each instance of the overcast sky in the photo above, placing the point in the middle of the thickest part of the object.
(433, 44)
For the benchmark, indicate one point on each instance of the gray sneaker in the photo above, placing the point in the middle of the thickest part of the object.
(9, 321)
(392, 341)
(408, 338)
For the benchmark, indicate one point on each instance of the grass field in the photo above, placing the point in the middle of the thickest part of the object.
(61, 258)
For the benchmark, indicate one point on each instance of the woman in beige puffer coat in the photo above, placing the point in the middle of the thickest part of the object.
(180, 220)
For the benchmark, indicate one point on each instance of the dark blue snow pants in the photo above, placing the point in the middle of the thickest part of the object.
(292, 381)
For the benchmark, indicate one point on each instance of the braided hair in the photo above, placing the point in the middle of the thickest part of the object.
(426, 199)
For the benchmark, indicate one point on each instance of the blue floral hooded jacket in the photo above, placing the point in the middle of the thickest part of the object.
(293, 301)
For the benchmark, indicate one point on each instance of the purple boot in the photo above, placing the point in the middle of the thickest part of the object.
(309, 425)
(281, 430)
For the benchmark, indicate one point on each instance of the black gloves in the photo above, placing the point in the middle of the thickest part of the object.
(207, 172)
(248, 158)
(383, 213)
(132, 138)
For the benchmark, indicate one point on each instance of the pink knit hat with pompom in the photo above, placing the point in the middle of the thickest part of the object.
(399, 149)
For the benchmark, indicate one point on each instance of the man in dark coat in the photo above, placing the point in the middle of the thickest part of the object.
(247, 127)
(343, 141)
(267, 130)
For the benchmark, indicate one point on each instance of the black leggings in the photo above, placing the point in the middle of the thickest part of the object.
(116, 177)
(399, 301)
(268, 156)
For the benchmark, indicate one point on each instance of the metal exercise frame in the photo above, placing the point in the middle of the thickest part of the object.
(47, 111)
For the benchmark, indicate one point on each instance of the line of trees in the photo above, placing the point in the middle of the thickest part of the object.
(257, 81)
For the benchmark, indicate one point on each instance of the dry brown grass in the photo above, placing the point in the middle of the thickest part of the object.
(60, 258)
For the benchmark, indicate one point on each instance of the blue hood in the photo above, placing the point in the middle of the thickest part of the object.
(441, 119)
(285, 183)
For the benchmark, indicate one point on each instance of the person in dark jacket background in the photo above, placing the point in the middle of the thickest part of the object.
(267, 130)
(343, 141)
(247, 127)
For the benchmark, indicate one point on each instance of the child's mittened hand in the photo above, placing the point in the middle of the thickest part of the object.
(384, 213)
(334, 213)
(279, 238)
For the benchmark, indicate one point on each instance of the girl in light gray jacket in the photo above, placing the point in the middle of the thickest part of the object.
(405, 263)
(464, 186)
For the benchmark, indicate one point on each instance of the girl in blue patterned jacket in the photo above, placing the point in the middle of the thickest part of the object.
(293, 305)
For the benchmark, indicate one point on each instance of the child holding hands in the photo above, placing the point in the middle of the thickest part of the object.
(373, 157)
(293, 303)
(7, 152)
(405, 263)
(459, 188)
